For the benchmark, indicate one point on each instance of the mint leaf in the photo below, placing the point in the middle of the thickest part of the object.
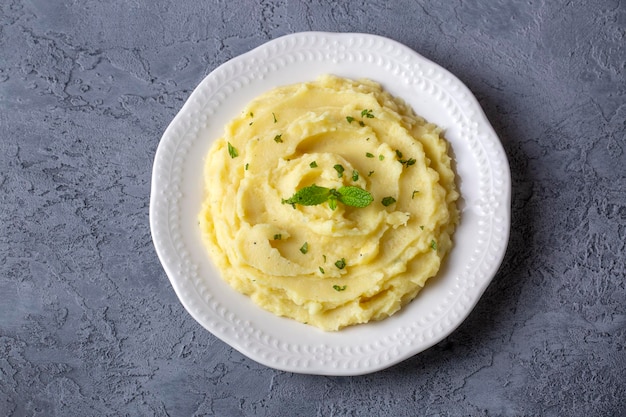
(354, 196)
(332, 203)
(309, 196)
(313, 195)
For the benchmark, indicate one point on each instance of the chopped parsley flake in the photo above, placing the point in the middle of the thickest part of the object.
(361, 123)
(341, 263)
(367, 113)
(407, 162)
(381, 157)
(433, 245)
(322, 270)
(369, 155)
(232, 151)
(273, 115)
(387, 201)
(339, 168)
(350, 119)
(313, 164)
(422, 227)
(278, 236)
(305, 248)
(369, 174)
(414, 192)
(278, 138)
(398, 154)
(246, 166)
(355, 175)
(338, 288)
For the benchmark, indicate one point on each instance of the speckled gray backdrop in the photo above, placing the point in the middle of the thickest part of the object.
(89, 324)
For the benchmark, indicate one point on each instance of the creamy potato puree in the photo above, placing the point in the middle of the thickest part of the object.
(329, 268)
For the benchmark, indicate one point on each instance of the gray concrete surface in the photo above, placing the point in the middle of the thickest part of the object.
(89, 324)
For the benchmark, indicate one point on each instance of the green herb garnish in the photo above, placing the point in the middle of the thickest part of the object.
(309, 196)
(341, 263)
(407, 162)
(367, 113)
(361, 123)
(338, 288)
(232, 151)
(387, 201)
(274, 116)
(369, 155)
(313, 195)
(278, 138)
(414, 192)
(381, 157)
(355, 175)
(433, 245)
(354, 196)
(246, 166)
(369, 174)
(313, 164)
(322, 270)
(304, 248)
(350, 119)
(398, 154)
(278, 236)
(339, 168)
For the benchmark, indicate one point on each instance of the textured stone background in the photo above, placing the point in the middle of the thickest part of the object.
(89, 324)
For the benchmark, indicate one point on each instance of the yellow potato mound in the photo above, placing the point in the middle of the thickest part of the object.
(329, 268)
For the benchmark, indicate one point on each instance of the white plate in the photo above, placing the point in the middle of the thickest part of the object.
(479, 242)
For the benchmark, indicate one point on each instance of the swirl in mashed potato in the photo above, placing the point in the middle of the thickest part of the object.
(329, 268)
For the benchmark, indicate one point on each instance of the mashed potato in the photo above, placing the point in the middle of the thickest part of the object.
(329, 264)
